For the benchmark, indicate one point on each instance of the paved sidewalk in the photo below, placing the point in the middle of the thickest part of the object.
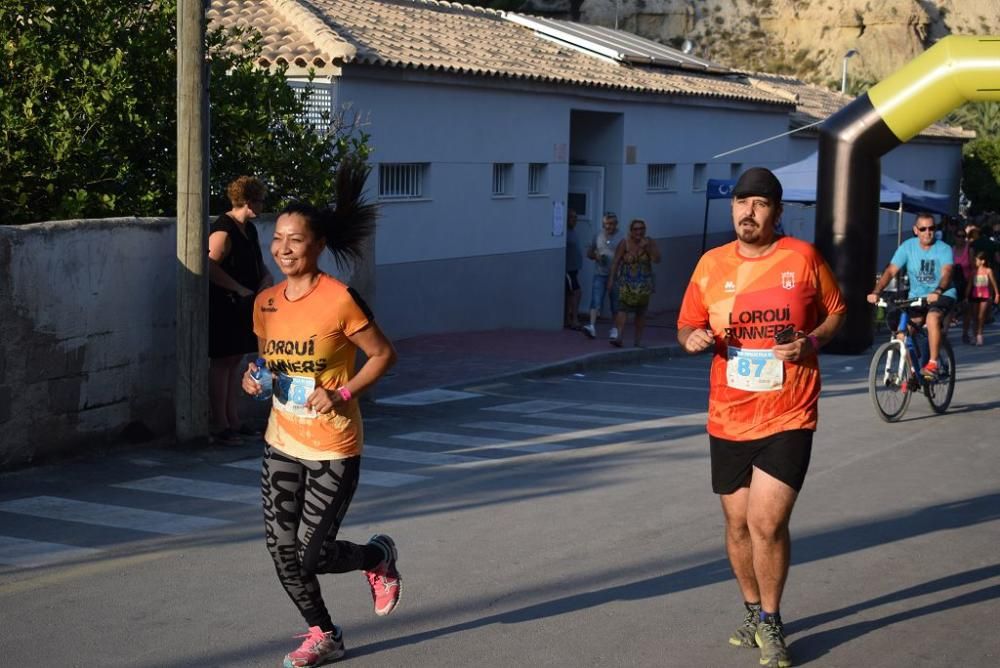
(463, 358)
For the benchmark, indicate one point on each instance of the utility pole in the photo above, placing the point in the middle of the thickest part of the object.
(191, 380)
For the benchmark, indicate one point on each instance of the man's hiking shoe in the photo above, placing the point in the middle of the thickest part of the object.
(744, 635)
(770, 637)
(930, 371)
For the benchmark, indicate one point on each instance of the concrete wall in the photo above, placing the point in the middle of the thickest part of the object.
(87, 333)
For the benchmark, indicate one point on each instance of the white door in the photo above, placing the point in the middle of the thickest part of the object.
(586, 197)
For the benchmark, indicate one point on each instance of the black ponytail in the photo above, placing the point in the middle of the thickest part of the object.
(345, 224)
(352, 219)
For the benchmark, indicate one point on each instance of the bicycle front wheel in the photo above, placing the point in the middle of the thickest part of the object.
(940, 391)
(889, 380)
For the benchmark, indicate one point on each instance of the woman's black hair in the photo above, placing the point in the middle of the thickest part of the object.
(345, 224)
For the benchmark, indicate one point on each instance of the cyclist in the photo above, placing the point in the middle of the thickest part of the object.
(928, 263)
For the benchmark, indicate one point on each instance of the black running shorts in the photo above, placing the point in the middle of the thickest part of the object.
(784, 455)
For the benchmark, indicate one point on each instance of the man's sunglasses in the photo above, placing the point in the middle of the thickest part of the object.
(924, 229)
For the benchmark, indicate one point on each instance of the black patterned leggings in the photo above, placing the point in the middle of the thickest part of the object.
(304, 505)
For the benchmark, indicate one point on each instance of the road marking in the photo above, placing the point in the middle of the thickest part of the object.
(33, 553)
(388, 478)
(585, 419)
(425, 398)
(518, 428)
(635, 410)
(102, 514)
(478, 442)
(703, 386)
(667, 376)
(417, 457)
(199, 489)
(535, 406)
(368, 476)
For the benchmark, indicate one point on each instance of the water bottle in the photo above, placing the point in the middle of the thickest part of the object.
(263, 376)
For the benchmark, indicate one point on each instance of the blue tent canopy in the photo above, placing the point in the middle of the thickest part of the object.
(799, 183)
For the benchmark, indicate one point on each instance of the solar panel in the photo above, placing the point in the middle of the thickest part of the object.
(615, 44)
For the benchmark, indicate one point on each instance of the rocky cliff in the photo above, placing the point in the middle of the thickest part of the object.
(805, 38)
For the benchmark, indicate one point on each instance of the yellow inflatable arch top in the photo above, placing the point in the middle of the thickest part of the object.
(954, 71)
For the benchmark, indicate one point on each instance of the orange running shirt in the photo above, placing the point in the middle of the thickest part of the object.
(744, 302)
(306, 341)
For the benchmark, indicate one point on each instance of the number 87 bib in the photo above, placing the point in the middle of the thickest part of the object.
(754, 370)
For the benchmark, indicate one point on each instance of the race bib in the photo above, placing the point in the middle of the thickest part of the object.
(291, 393)
(754, 370)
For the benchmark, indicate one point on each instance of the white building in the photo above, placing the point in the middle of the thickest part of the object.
(486, 126)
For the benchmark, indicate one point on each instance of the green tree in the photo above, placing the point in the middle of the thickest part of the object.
(981, 174)
(981, 157)
(88, 114)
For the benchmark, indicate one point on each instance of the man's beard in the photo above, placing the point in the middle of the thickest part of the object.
(751, 234)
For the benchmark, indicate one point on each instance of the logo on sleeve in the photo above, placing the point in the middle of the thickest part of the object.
(269, 307)
(729, 286)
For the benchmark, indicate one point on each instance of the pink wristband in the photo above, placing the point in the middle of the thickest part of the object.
(814, 342)
(344, 393)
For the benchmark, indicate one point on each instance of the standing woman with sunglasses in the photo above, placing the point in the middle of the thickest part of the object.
(309, 328)
(632, 276)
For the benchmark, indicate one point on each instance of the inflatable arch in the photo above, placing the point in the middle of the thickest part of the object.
(953, 71)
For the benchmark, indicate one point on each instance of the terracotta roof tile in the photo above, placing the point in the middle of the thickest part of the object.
(449, 37)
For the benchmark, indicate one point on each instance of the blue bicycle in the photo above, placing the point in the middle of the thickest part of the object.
(894, 377)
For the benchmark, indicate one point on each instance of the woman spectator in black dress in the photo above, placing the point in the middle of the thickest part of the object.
(236, 273)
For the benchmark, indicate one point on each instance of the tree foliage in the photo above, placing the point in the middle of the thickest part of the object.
(981, 157)
(88, 114)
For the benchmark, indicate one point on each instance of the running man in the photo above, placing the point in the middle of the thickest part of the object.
(763, 393)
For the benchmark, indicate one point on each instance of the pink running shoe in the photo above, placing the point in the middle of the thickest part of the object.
(317, 648)
(384, 579)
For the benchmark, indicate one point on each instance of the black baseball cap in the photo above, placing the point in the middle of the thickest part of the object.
(758, 181)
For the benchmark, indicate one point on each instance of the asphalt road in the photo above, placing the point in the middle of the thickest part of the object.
(557, 521)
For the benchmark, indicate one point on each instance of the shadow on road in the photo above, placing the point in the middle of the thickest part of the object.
(844, 540)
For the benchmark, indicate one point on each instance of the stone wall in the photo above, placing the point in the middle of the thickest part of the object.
(86, 335)
(88, 331)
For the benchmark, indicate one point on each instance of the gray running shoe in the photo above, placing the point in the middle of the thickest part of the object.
(770, 637)
(744, 635)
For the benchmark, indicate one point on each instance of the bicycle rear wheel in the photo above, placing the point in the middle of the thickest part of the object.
(940, 392)
(889, 380)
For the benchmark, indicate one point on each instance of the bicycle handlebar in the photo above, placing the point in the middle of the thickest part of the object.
(899, 302)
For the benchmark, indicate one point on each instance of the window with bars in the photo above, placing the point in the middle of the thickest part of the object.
(503, 179)
(930, 185)
(401, 180)
(318, 110)
(700, 178)
(660, 176)
(536, 178)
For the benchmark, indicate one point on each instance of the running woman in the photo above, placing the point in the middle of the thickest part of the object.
(309, 328)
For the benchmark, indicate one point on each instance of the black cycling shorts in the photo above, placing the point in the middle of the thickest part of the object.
(784, 455)
(942, 305)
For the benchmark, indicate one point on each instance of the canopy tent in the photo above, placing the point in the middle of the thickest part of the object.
(798, 182)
